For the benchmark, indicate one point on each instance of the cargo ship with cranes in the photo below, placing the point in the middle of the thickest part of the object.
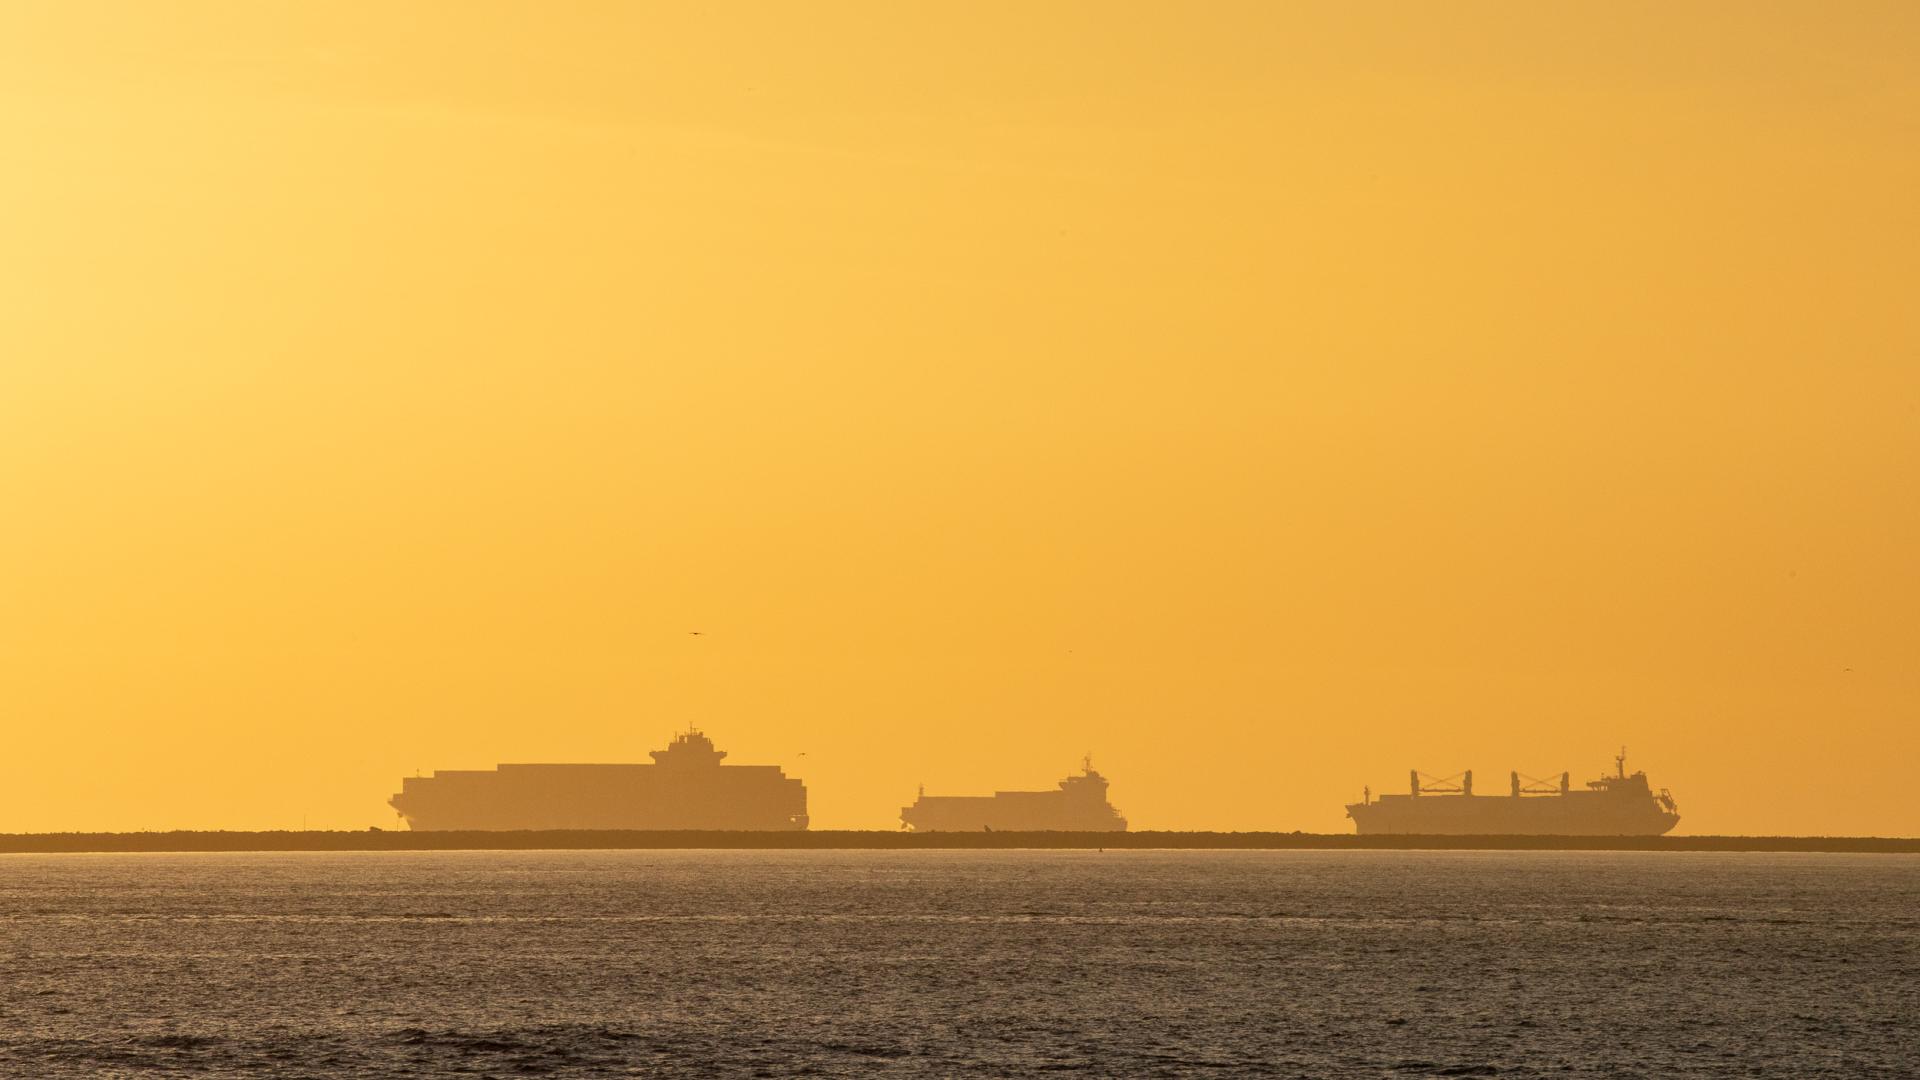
(1622, 804)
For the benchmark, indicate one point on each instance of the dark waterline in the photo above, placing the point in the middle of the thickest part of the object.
(685, 963)
(619, 840)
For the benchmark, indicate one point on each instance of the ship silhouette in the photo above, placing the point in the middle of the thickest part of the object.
(685, 788)
(1079, 804)
(1617, 805)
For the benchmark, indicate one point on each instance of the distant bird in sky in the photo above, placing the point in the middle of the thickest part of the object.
(694, 633)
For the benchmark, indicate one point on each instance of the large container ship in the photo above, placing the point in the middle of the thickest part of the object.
(685, 788)
(1617, 805)
(1079, 804)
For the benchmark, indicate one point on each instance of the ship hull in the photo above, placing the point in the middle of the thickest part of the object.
(1576, 814)
(650, 797)
(987, 814)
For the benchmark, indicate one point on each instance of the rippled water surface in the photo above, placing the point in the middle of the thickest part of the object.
(971, 963)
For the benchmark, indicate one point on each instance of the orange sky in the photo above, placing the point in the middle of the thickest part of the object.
(1269, 398)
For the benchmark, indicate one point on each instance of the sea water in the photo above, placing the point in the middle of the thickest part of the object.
(988, 963)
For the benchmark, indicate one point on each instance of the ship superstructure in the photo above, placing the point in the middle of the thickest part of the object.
(1079, 804)
(685, 788)
(1617, 805)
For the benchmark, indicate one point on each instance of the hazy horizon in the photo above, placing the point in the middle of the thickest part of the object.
(1267, 399)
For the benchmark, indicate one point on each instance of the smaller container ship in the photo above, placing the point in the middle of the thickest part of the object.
(1078, 805)
(1617, 805)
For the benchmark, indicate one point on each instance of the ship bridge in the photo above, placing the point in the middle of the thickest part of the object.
(690, 748)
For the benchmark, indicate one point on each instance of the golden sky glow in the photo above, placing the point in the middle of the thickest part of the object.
(1267, 397)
